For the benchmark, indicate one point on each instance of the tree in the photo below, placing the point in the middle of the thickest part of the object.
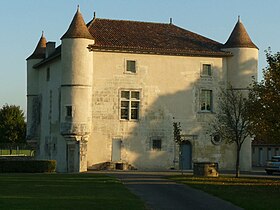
(264, 103)
(231, 123)
(177, 132)
(13, 126)
(177, 136)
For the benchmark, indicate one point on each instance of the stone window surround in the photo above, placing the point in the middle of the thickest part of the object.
(205, 96)
(156, 143)
(129, 107)
(208, 74)
(126, 70)
(69, 111)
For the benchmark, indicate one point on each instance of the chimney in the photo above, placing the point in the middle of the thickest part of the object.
(50, 48)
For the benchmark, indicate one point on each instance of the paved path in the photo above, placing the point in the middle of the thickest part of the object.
(163, 194)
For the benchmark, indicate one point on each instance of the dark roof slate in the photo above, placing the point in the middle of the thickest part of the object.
(145, 37)
(239, 37)
(40, 50)
(77, 28)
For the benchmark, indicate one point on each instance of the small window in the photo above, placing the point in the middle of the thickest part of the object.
(206, 99)
(129, 105)
(69, 111)
(276, 151)
(206, 70)
(156, 144)
(48, 74)
(131, 66)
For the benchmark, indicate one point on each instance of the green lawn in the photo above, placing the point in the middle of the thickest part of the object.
(64, 191)
(248, 193)
(17, 152)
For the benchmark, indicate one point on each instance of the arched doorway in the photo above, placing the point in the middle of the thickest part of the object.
(185, 159)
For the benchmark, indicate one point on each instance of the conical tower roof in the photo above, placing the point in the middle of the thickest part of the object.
(239, 37)
(40, 49)
(77, 28)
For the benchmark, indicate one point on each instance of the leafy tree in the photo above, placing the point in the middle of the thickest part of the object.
(13, 126)
(177, 136)
(177, 132)
(264, 106)
(231, 123)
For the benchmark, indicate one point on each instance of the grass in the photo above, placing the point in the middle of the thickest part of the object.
(64, 191)
(248, 193)
(17, 152)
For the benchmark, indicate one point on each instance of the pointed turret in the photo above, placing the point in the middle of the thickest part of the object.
(76, 91)
(242, 66)
(239, 37)
(77, 28)
(40, 49)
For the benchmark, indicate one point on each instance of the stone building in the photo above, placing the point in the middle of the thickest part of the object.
(110, 92)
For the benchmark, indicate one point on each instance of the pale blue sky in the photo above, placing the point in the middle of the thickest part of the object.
(22, 22)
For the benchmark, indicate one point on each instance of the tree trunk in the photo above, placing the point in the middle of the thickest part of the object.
(237, 165)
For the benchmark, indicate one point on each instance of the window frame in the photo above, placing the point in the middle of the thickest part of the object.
(156, 143)
(126, 66)
(130, 109)
(67, 113)
(202, 72)
(203, 94)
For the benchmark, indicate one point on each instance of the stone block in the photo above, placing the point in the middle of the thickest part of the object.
(207, 169)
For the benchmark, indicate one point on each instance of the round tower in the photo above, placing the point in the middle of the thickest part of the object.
(242, 67)
(33, 99)
(76, 91)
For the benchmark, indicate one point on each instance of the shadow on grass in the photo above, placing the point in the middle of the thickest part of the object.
(64, 191)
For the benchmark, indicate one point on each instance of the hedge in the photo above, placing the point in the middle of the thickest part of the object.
(27, 166)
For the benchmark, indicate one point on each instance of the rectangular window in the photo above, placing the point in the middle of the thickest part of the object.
(156, 144)
(69, 111)
(206, 70)
(129, 105)
(206, 99)
(48, 74)
(276, 151)
(131, 66)
(269, 153)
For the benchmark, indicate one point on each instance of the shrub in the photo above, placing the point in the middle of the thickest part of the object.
(27, 166)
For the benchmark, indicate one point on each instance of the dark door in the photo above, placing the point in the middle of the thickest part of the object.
(186, 156)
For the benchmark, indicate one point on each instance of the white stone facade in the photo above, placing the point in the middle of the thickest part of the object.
(76, 104)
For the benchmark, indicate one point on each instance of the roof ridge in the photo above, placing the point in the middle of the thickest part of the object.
(134, 21)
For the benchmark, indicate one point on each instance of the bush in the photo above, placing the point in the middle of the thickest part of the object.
(27, 166)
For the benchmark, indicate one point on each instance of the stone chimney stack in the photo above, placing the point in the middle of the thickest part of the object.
(50, 48)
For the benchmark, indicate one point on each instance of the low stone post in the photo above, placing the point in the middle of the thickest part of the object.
(207, 169)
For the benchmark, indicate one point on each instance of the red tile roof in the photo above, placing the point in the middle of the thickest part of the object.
(144, 37)
(140, 37)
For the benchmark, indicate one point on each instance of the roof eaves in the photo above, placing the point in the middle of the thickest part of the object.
(138, 50)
